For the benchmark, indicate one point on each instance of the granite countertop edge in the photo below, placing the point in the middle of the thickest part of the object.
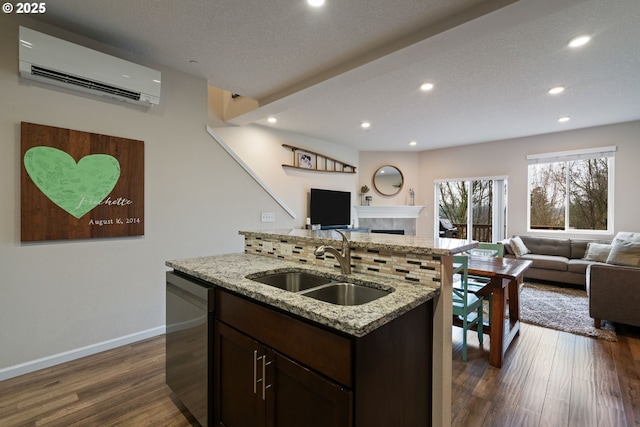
(229, 271)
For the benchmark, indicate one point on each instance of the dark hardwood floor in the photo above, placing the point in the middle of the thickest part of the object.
(550, 378)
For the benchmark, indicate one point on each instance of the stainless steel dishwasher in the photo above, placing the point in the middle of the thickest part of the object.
(189, 344)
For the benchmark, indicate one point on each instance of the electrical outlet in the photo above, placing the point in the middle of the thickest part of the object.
(286, 249)
(268, 217)
(267, 246)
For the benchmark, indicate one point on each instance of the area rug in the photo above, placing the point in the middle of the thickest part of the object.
(563, 309)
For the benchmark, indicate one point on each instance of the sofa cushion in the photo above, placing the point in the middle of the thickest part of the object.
(508, 250)
(624, 252)
(548, 246)
(518, 247)
(597, 252)
(578, 248)
(547, 262)
(580, 265)
(628, 236)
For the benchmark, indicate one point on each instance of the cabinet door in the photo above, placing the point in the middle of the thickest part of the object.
(299, 397)
(238, 376)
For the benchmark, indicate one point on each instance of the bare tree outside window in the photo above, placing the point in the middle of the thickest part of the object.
(547, 189)
(573, 191)
(588, 194)
(482, 193)
(454, 206)
(454, 196)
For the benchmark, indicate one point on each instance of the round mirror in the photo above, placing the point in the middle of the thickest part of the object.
(388, 180)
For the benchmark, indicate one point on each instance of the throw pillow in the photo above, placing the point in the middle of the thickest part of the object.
(506, 243)
(628, 236)
(518, 246)
(624, 253)
(597, 252)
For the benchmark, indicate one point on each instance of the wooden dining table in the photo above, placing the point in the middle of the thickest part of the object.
(506, 275)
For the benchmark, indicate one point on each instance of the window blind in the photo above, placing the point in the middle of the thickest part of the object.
(566, 156)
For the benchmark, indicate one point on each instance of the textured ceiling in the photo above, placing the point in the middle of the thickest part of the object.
(323, 71)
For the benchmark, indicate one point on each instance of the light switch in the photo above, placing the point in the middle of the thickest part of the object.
(268, 217)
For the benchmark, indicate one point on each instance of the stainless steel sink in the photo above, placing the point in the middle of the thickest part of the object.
(345, 293)
(320, 288)
(294, 281)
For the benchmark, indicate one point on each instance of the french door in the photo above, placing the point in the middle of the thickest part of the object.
(477, 208)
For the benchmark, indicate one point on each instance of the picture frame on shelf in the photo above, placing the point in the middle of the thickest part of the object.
(306, 160)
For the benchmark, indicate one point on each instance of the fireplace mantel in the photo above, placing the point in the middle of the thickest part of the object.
(388, 211)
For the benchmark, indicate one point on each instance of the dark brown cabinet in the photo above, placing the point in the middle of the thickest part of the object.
(239, 396)
(276, 370)
(257, 386)
(304, 398)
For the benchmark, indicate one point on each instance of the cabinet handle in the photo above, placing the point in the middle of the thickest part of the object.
(264, 377)
(255, 371)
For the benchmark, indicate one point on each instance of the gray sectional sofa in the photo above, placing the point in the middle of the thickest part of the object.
(609, 270)
(614, 294)
(554, 259)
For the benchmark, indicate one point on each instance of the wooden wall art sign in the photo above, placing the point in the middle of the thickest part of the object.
(79, 185)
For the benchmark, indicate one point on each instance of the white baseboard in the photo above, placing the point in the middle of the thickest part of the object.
(56, 359)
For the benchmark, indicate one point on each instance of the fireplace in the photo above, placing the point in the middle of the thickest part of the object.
(389, 219)
(388, 231)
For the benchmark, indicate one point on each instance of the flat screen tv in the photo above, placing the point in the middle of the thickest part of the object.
(330, 208)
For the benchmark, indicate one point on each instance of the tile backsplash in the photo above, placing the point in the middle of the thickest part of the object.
(416, 268)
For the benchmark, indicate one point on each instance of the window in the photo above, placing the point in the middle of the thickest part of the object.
(475, 207)
(571, 191)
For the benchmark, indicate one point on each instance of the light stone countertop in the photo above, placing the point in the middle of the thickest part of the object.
(230, 271)
(377, 241)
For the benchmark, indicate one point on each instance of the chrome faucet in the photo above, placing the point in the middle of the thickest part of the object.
(343, 258)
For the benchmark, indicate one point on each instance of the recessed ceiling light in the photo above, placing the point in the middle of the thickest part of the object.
(365, 125)
(556, 90)
(564, 119)
(412, 143)
(315, 3)
(579, 41)
(272, 120)
(426, 86)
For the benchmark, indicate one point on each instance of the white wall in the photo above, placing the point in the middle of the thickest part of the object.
(508, 158)
(409, 164)
(261, 149)
(406, 162)
(58, 297)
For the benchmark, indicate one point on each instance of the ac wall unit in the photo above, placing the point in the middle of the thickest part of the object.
(58, 62)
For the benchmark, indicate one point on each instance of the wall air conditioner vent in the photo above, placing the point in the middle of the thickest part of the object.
(88, 84)
(58, 62)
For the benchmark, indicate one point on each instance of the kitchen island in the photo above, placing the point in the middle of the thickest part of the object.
(393, 346)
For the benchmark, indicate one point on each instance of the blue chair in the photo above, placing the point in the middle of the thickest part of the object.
(466, 306)
(478, 282)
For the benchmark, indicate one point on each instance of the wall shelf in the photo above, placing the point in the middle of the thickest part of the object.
(311, 161)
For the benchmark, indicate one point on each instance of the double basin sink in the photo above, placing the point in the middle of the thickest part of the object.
(321, 288)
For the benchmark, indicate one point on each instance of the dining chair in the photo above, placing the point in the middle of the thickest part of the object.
(466, 306)
(476, 283)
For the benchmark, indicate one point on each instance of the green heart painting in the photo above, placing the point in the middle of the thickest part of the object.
(75, 187)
